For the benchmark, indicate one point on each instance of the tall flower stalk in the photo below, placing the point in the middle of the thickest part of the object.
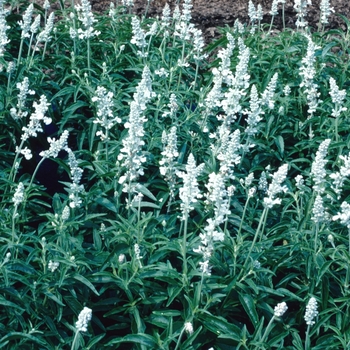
(189, 195)
(86, 17)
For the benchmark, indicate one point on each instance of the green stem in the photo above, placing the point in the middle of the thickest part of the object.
(262, 219)
(75, 340)
(267, 330)
(307, 338)
(184, 243)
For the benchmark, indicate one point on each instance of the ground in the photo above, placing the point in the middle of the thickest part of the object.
(209, 14)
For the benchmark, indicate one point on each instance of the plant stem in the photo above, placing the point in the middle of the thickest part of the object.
(307, 338)
(267, 330)
(75, 340)
(262, 219)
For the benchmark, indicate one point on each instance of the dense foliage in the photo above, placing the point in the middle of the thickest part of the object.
(160, 193)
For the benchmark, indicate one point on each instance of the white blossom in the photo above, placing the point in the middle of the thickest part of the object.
(131, 154)
(189, 192)
(308, 72)
(280, 309)
(267, 97)
(18, 196)
(338, 97)
(344, 215)
(86, 17)
(35, 119)
(55, 146)
(311, 312)
(326, 10)
(26, 21)
(318, 171)
(276, 187)
(318, 210)
(105, 117)
(254, 114)
(188, 327)
(83, 319)
(44, 36)
(53, 265)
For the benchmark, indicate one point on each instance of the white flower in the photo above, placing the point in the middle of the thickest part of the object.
(26, 22)
(18, 197)
(65, 213)
(87, 18)
(267, 97)
(139, 36)
(276, 186)
(318, 211)
(318, 171)
(307, 71)
(190, 192)
(338, 97)
(53, 265)
(280, 309)
(55, 145)
(105, 117)
(274, 9)
(188, 327)
(44, 36)
(326, 10)
(344, 216)
(34, 125)
(3, 29)
(254, 114)
(83, 319)
(166, 16)
(131, 154)
(311, 312)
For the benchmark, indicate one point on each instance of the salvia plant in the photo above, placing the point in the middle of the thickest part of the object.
(159, 191)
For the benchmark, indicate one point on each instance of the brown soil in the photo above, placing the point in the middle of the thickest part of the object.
(210, 14)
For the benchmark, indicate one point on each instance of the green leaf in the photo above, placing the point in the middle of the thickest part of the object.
(54, 298)
(85, 281)
(142, 339)
(219, 326)
(249, 306)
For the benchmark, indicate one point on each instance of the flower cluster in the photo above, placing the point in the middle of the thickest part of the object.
(326, 10)
(18, 196)
(190, 192)
(75, 189)
(105, 117)
(44, 36)
(86, 17)
(301, 8)
(26, 21)
(338, 97)
(53, 265)
(35, 118)
(3, 28)
(83, 319)
(318, 210)
(24, 91)
(307, 71)
(340, 176)
(167, 163)
(55, 146)
(311, 312)
(280, 309)
(131, 153)
(139, 36)
(318, 171)
(276, 187)
(254, 114)
(344, 216)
